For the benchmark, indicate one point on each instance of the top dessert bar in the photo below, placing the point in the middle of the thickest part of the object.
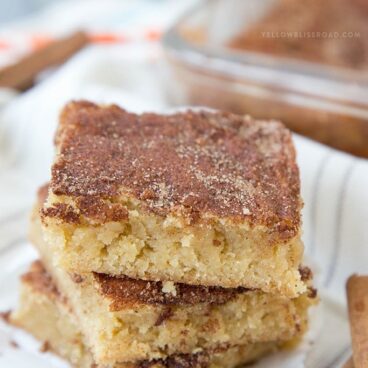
(201, 197)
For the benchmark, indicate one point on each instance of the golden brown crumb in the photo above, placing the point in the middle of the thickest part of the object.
(14, 344)
(305, 273)
(5, 316)
(78, 279)
(45, 347)
(166, 314)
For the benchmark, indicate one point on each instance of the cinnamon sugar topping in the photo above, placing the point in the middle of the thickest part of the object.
(123, 291)
(39, 279)
(194, 163)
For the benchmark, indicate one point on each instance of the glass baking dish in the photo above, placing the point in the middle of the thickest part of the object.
(324, 102)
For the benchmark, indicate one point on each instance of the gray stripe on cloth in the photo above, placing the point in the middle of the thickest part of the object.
(339, 223)
(315, 200)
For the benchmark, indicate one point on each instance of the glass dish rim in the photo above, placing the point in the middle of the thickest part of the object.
(173, 42)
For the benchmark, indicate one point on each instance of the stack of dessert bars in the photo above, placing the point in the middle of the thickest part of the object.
(167, 241)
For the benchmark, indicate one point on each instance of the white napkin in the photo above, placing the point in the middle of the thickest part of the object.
(334, 188)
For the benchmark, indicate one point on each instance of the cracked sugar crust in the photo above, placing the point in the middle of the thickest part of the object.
(40, 280)
(194, 163)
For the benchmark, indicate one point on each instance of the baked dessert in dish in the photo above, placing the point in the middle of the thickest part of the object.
(331, 32)
(45, 313)
(204, 198)
(125, 319)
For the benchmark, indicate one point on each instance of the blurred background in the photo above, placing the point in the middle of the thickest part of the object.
(305, 64)
(11, 10)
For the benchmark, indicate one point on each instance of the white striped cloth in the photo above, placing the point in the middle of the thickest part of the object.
(334, 188)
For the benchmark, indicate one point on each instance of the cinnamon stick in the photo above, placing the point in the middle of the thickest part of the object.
(22, 74)
(357, 292)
